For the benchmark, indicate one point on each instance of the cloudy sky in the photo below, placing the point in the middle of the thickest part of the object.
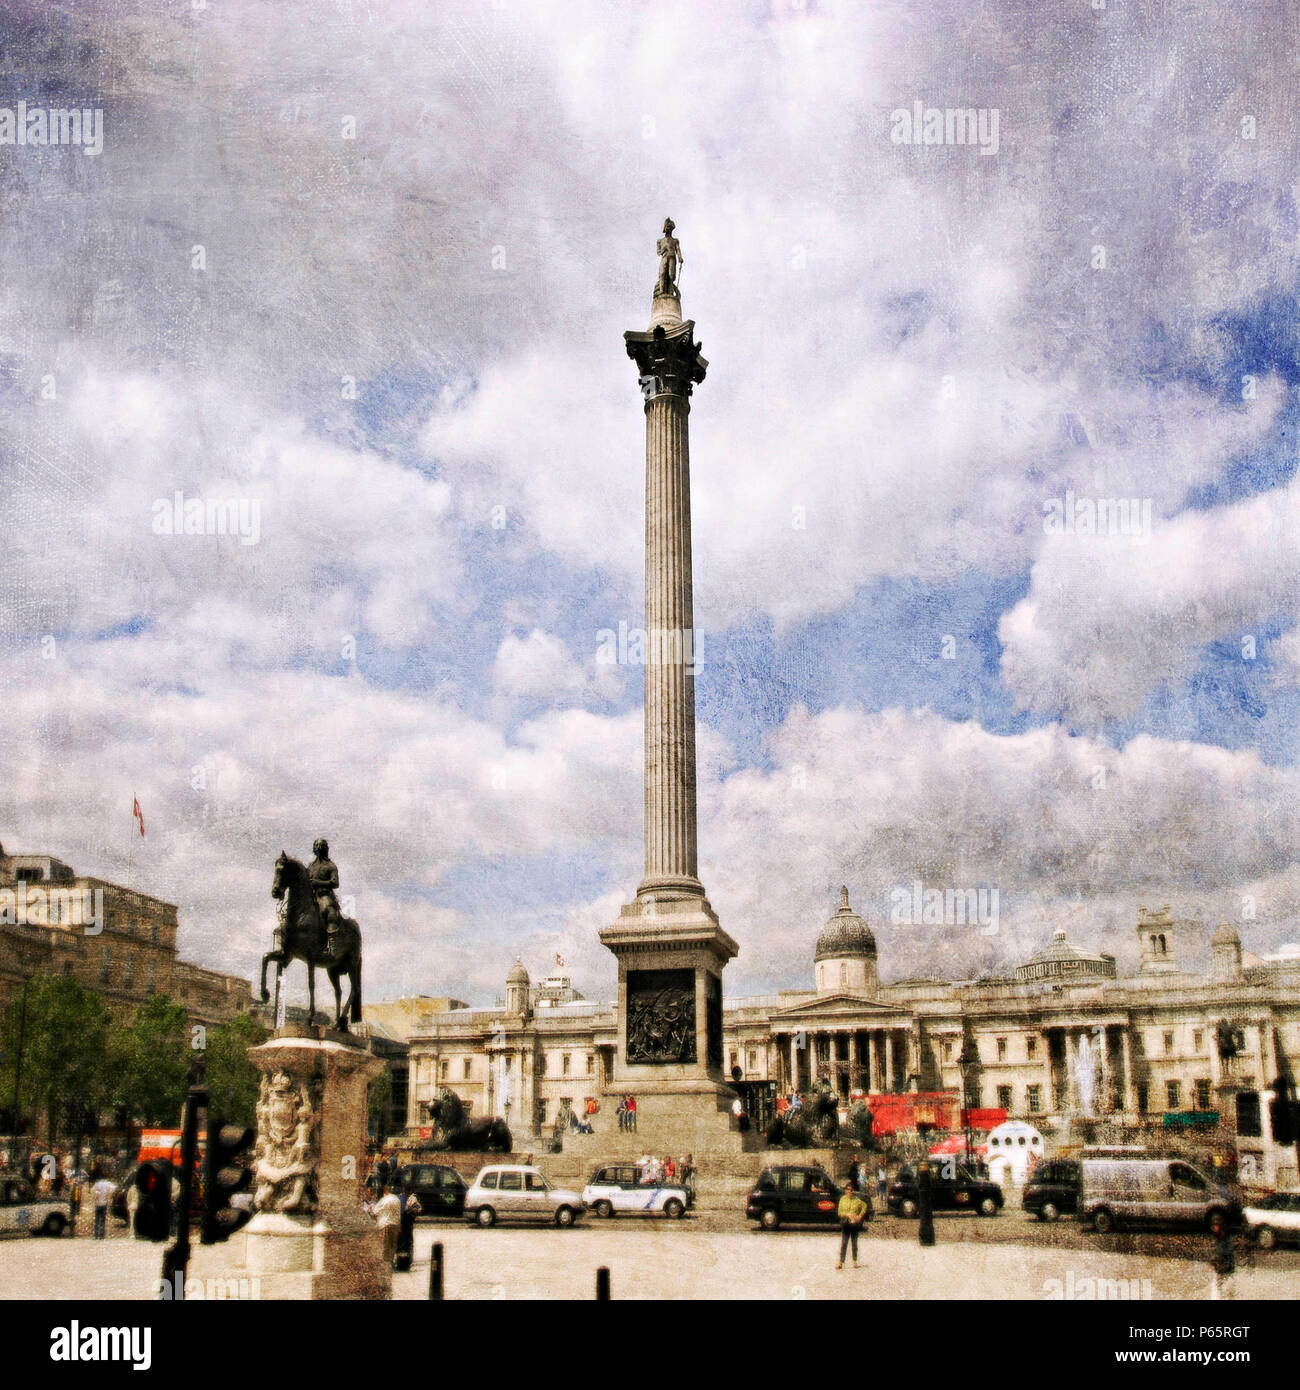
(364, 265)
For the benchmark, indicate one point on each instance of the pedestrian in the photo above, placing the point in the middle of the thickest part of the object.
(406, 1239)
(132, 1204)
(882, 1179)
(670, 1170)
(622, 1115)
(631, 1113)
(388, 1213)
(687, 1174)
(852, 1212)
(103, 1195)
(1223, 1261)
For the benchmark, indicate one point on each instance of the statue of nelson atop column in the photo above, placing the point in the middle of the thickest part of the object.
(670, 261)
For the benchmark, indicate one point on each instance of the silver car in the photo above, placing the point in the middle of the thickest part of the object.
(519, 1192)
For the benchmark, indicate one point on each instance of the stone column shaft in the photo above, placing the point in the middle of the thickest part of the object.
(670, 825)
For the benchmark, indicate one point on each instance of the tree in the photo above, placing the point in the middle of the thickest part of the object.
(232, 1080)
(59, 1030)
(151, 1061)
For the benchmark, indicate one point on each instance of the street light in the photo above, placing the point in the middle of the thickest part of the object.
(967, 1062)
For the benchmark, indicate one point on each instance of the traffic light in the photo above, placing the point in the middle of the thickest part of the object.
(153, 1216)
(223, 1176)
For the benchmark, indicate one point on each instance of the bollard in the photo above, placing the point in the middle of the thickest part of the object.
(925, 1202)
(435, 1272)
(602, 1284)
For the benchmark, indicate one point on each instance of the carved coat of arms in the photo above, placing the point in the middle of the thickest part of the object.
(288, 1144)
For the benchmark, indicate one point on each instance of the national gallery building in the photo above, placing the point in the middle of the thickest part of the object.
(1062, 1038)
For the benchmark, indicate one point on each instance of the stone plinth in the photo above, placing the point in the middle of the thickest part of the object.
(310, 1239)
(670, 1057)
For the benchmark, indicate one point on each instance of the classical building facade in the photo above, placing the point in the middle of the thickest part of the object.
(116, 941)
(1063, 1038)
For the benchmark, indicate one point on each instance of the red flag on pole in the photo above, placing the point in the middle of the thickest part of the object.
(137, 814)
(559, 960)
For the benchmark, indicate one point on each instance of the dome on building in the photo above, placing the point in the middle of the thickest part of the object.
(1060, 960)
(845, 935)
(1225, 934)
(518, 975)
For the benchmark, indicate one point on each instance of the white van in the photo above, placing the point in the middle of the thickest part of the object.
(1167, 1191)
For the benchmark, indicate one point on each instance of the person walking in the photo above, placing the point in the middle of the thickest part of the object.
(622, 1115)
(102, 1192)
(852, 1212)
(410, 1209)
(388, 1213)
(631, 1113)
(882, 1179)
(686, 1174)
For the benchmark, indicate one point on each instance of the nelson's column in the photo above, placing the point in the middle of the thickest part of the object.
(669, 945)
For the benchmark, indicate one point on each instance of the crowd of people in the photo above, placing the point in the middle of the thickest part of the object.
(664, 1172)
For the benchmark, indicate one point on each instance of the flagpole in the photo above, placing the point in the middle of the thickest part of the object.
(130, 843)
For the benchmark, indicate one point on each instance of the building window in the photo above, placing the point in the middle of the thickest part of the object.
(735, 1058)
(1004, 1097)
(1202, 1095)
(469, 1062)
(1002, 1049)
(1169, 1041)
(947, 1052)
(564, 1065)
(153, 932)
(1173, 1095)
(444, 1069)
(591, 1064)
(753, 1061)
(1248, 1115)
(541, 1064)
(105, 965)
(1197, 1038)
(67, 967)
(1034, 1096)
(1142, 1098)
(128, 973)
(1031, 1047)
(153, 976)
(844, 974)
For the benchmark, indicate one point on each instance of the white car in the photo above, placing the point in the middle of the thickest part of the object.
(1273, 1219)
(23, 1213)
(518, 1192)
(616, 1189)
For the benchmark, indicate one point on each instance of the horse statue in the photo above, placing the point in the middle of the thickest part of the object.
(301, 935)
(458, 1132)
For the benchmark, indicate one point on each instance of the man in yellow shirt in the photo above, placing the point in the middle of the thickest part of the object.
(852, 1212)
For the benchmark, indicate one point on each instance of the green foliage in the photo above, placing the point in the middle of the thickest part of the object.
(150, 1061)
(61, 1030)
(232, 1079)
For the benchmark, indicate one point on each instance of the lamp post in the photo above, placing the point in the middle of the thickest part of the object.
(967, 1062)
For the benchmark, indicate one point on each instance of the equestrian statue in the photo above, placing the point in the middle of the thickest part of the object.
(314, 930)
